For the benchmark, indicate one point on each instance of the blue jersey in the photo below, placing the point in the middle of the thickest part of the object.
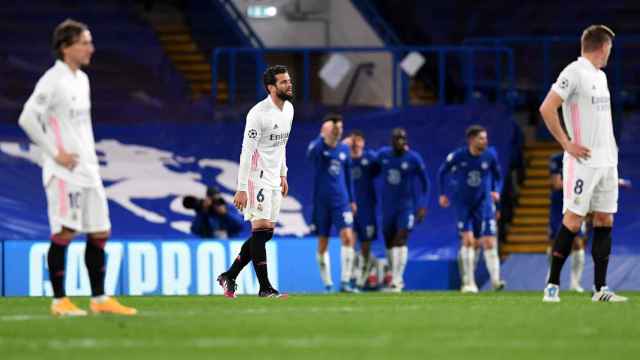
(475, 177)
(405, 182)
(363, 172)
(555, 168)
(333, 185)
(555, 211)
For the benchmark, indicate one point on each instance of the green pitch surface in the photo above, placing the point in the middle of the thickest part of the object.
(431, 325)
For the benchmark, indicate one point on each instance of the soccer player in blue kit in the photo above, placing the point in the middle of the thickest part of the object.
(478, 182)
(333, 199)
(402, 169)
(364, 169)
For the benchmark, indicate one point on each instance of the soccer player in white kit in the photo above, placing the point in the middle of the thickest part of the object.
(590, 166)
(262, 177)
(57, 118)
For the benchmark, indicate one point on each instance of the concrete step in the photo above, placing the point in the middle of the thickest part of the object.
(534, 201)
(531, 221)
(528, 230)
(527, 238)
(536, 183)
(521, 248)
(537, 172)
(530, 192)
(532, 211)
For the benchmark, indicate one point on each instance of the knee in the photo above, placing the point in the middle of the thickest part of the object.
(602, 220)
(572, 222)
(401, 238)
(323, 243)
(489, 242)
(468, 239)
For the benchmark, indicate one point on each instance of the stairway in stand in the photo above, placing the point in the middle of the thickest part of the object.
(529, 230)
(175, 36)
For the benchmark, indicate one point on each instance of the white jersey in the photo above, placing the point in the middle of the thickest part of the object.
(263, 157)
(58, 116)
(587, 111)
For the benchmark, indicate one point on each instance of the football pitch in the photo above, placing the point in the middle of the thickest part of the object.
(412, 325)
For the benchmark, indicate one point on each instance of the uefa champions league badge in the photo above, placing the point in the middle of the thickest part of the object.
(484, 165)
(404, 165)
(342, 156)
(365, 162)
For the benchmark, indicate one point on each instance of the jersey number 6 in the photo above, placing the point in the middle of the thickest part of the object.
(260, 196)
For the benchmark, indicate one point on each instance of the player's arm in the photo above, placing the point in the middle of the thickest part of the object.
(349, 183)
(251, 137)
(560, 91)
(443, 170)
(425, 188)
(315, 148)
(284, 185)
(33, 120)
(496, 178)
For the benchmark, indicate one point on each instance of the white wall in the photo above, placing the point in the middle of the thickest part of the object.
(346, 28)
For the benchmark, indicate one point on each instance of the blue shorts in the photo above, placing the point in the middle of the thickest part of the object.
(324, 216)
(480, 219)
(365, 225)
(396, 220)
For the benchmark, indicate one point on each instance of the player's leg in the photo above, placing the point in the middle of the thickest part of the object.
(62, 208)
(342, 218)
(366, 234)
(322, 224)
(96, 223)
(577, 260)
(262, 229)
(388, 232)
(578, 185)
(467, 259)
(490, 250)
(399, 250)
(605, 204)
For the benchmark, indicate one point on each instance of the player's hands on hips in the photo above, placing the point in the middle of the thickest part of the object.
(577, 151)
(421, 214)
(284, 186)
(66, 159)
(443, 201)
(240, 200)
(354, 208)
(495, 196)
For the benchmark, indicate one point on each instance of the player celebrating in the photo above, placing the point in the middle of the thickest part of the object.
(590, 166)
(478, 180)
(333, 201)
(57, 117)
(262, 177)
(401, 168)
(364, 169)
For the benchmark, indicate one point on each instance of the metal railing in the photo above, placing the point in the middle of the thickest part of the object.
(502, 82)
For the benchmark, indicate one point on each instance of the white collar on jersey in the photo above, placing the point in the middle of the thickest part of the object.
(62, 65)
(274, 104)
(584, 61)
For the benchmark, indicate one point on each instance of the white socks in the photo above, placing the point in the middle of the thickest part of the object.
(324, 264)
(363, 270)
(399, 257)
(100, 299)
(492, 261)
(467, 257)
(347, 256)
(577, 267)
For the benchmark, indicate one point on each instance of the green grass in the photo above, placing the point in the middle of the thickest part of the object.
(432, 325)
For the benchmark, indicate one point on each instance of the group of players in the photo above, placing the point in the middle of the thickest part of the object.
(344, 196)
(57, 117)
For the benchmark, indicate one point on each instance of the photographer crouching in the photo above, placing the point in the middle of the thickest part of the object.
(214, 219)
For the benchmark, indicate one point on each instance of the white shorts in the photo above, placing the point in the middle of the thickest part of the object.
(263, 203)
(588, 189)
(83, 209)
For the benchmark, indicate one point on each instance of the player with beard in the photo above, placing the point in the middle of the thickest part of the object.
(262, 177)
(477, 188)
